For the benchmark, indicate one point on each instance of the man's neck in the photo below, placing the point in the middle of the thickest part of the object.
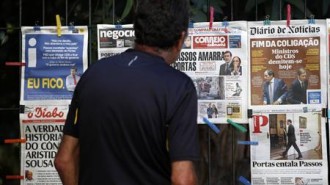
(154, 51)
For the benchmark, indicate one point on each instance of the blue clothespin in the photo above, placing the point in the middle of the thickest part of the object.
(211, 125)
(267, 21)
(36, 26)
(118, 25)
(191, 23)
(225, 22)
(72, 28)
(244, 180)
(247, 142)
(311, 19)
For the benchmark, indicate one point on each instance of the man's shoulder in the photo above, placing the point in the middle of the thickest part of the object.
(295, 81)
(279, 80)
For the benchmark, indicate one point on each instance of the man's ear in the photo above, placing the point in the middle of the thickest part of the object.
(181, 40)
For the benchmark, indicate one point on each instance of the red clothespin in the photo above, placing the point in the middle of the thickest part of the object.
(14, 177)
(211, 17)
(8, 141)
(288, 14)
(14, 63)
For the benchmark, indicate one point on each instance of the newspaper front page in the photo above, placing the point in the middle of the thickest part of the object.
(41, 126)
(53, 63)
(285, 52)
(292, 149)
(216, 60)
(114, 39)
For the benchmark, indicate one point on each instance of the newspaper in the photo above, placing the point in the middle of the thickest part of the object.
(114, 39)
(50, 60)
(271, 164)
(328, 68)
(41, 126)
(284, 51)
(221, 89)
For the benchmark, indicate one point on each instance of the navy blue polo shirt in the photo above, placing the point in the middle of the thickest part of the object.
(123, 110)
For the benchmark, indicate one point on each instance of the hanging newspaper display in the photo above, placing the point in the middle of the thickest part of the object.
(114, 39)
(53, 63)
(287, 96)
(216, 59)
(41, 126)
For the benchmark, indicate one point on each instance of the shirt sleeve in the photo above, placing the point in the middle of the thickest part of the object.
(71, 126)
(183, 128)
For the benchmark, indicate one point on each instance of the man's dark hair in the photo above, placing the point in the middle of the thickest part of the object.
(270, 72)
(289, 120)
(301, 71)
(159, 23)
(228, 52)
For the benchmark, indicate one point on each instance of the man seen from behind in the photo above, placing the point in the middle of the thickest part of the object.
(132, 119)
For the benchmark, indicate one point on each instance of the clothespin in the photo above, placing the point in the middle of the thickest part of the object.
(211, 125)
(58, 25)
(236, 125)
(36, 26)
(249, 113)
(288, 15)
(191, 23)
(15, 64)
(311, 19)
(72, 28)
(11, 141)
(244, 180)
(14, 177)
(225, 23)
(118, 24)
(267, 21)
(211, 17)
(21, 108)
(247, 142)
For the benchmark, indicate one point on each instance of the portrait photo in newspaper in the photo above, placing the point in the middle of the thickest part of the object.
(209, 88)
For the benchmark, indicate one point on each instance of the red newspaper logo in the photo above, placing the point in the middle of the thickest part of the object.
(40, 112)
(207, 42)
(258, 122)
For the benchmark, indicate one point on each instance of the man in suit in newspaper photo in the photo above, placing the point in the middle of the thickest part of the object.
(72, 79)
(291, 140)
(297, 92)
(274, 89)
(225, 68)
